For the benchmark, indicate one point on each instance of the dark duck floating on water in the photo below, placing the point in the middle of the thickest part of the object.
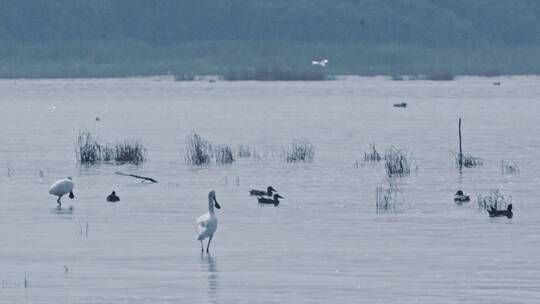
(495, 213)
(274, 201)
(460, 197)
(400, 105)
(113, 198)
(268, 192)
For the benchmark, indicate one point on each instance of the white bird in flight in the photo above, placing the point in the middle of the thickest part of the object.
(321, 63)
(61, 188)
(207, 223)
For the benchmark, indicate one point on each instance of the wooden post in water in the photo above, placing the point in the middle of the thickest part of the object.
(460, 150)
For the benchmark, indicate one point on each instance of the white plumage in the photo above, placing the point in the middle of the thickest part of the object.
(61, 188)
(206, 224)
(321, 63)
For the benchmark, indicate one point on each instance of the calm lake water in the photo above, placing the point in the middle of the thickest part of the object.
(325, 243)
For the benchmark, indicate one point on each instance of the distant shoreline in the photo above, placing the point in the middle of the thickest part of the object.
(215, 78)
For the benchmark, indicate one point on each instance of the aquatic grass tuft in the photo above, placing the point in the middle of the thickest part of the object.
(468, 160)
(397, 162)
(509, 167)
(495, 199)
(89, 151)
(198, 150)
(129, 151)
(223, 154)
(300, 151)
(243, 151)
(373, 155)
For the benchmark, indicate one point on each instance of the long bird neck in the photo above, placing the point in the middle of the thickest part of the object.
(210, 205)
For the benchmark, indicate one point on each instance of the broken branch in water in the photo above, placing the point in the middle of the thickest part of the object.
(138, 176)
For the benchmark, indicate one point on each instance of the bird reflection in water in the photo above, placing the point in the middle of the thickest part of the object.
(210, 265)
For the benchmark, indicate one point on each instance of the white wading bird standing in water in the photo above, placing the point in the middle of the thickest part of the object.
(207, 223)
(321, 63)
(62, 187)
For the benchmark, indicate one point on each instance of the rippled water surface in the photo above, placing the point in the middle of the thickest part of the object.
(325, 243)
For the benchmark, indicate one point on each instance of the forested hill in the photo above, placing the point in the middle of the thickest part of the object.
(74, 38)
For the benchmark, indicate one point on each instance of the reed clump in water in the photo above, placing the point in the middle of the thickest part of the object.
(89, 151)
(300, 151)
(129, 151)
(198, 150)
(468, 161)
(509, 167)
(373, 155)
(223, 154)
(397, 162)
(243, 151)
(495, 199)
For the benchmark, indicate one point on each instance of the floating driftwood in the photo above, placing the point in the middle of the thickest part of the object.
(144, 178)
(400, 105)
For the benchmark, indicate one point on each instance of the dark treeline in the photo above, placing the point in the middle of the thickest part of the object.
(73, 38)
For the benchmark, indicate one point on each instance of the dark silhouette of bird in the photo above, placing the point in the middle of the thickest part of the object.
(113, 198)
(495, 213)
(274, 201)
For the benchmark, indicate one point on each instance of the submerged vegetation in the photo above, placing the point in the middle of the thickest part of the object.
(397, 162)
(467, 160)
(388, 198)
(373, 155)
(509, 167)
(243, 151)
(88, 151)
(300, 151)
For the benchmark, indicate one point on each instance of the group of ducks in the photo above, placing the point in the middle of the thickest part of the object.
(65, 186)
(266, 197)
(459, 197)
(206, 224)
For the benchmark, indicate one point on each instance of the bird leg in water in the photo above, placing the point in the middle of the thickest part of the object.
(208, 246)
(58, 201)
(202, 247)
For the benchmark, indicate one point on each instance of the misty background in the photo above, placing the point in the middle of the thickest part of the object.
(104, 38)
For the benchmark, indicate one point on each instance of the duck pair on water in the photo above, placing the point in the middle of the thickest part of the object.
(270, 199)
(493, 212)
